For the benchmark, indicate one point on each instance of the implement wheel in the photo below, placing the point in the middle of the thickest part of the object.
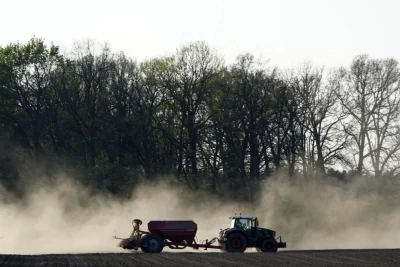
(152, 243)
(144, 244)
(236, 242)
(268, 245)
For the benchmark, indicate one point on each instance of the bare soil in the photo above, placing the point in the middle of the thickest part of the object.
(389, 257)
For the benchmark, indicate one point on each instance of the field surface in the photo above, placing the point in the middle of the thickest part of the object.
(288, 258)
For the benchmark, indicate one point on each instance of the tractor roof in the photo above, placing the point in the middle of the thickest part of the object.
(242, 217)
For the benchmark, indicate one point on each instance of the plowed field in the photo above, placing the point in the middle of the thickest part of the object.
(288, 258)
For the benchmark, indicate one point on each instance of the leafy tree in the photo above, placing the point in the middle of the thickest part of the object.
(26, 74)
(187, 78)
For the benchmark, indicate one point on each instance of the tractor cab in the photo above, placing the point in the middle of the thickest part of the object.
(244, 222)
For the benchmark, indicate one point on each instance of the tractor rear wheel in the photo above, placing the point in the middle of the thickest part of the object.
(268, 245)
(152, 243)
(236, 242)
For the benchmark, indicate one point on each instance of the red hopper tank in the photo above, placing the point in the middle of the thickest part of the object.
(175, 231)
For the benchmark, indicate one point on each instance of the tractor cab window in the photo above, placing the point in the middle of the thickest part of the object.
(244, 223)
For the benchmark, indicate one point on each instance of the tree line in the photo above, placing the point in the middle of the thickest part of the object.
(189, 115)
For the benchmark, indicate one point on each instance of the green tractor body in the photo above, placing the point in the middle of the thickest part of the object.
(245, 233)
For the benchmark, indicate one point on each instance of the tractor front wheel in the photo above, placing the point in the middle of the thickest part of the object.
(236, 242)
(268, 245)
(152, 243)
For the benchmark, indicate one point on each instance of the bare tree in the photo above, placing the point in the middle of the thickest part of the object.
(371, 99)
(320, 118)
(85, 93)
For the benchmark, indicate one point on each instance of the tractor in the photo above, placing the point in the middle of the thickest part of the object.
(245, 233)
(179, 234)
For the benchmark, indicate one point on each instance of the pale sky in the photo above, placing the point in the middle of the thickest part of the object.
(286, 32)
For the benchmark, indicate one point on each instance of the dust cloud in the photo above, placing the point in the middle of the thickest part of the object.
(323, 214)
(65, 217)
